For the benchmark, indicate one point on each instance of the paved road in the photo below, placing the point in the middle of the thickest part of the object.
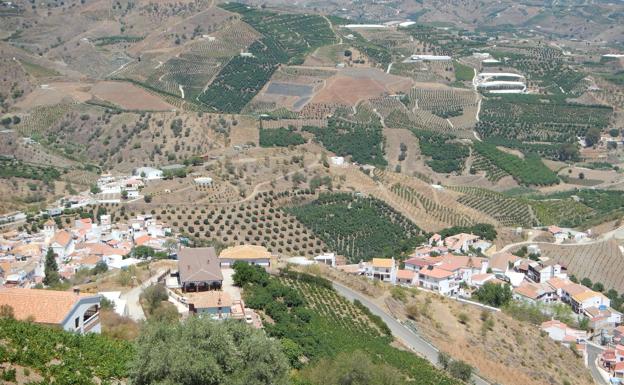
(135, 311)
(593, 352)
(400, 331)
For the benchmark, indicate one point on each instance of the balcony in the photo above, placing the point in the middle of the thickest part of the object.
(91, 323)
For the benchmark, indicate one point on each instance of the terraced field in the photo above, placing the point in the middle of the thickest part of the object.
(508, 211)
(601, 262)
(259, 222)
(492, 172)
(287, 38)
(359, 228)
(443, 214)
(37, 120)
(334, 307)
(430, 208)
(516, 121)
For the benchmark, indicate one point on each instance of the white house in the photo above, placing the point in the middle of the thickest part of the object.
(582, 301)
(337, 160)
(535, 292)
(479, 280)
(384, 269)
(69, 310)
(558, 232)
(560, 332)
(62, 244)
(204, 181)
(327, 259)
(461, 242)
(148, 173)
(406, 277)
(442, 281)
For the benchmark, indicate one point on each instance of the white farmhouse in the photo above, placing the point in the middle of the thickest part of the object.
(148, 173)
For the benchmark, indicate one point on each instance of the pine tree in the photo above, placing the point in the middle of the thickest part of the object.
(52, 276)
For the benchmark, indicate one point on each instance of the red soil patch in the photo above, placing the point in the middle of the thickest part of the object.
(354, 85)
(129, 96)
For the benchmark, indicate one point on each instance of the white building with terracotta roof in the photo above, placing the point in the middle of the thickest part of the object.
(479, 280)
(383, 269)
(442, 281)
(462, 242)
(533, 292)
(215, 304)
(560, 332)
(62, 244)
(67, 310)
(406, 277)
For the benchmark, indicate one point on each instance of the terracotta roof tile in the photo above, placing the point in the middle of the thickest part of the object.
(44, 306)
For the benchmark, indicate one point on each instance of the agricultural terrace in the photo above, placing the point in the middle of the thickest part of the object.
(87, 360)
(512, 119)
(363, 142)
(581, 207)
(442, 213)
(446, 102)
(358, 228)
(307, 315)
(446, 156)
(11, 168)
(325, 301)
(444, 41)
(397, 115)
(430, 208)
(377, 53)
(529, 170)
(287, 38)
(601, 262)
(257, 222)
(508, 211)
(544, 67)
(493, 173)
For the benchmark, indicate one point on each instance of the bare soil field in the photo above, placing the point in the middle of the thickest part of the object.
(56, 93)
(245, 132)
(353, 85)
(394, 138)
(129, 96)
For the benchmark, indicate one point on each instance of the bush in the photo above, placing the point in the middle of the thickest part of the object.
(153, 295)
(493, 294)
(461, 370)
(280, 137)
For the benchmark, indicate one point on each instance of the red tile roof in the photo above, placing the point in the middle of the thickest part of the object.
(44, 306)
(436, 273)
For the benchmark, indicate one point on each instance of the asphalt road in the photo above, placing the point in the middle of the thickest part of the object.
(400, 331)
(592, 353)
(135, 311)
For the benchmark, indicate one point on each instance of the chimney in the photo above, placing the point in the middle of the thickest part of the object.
(76, 290)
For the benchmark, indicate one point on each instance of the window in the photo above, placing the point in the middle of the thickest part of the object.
(77, 322)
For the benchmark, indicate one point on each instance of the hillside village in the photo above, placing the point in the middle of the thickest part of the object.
(311, 193)
(460, 266)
